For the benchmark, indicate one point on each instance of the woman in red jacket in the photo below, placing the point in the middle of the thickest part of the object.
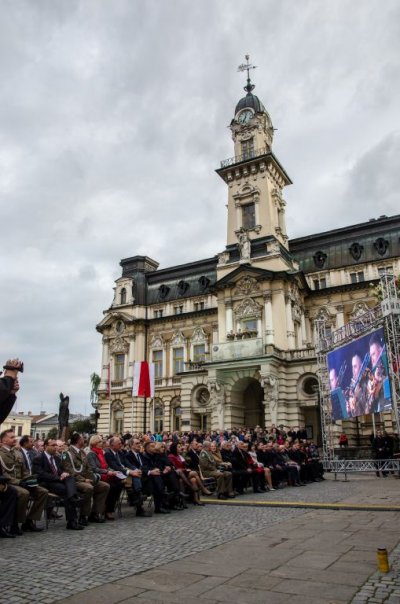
(189, 477)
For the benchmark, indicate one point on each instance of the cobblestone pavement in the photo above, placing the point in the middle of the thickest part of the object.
(382, 588)
(56, 564)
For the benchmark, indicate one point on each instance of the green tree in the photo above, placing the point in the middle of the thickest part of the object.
(53, 433)
(83, 426)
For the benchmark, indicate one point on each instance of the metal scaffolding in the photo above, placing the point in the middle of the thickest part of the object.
(386, 314)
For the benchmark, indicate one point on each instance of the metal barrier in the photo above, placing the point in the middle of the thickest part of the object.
(347, 466)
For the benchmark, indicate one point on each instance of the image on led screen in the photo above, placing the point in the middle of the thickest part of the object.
(359, 377)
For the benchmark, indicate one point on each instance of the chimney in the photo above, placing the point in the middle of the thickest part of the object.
(29, 412)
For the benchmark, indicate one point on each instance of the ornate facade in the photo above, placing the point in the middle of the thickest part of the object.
(232, 336)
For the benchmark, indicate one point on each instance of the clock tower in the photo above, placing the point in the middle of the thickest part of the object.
(255, 178)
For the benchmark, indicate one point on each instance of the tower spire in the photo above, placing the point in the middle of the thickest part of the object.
(246, 67)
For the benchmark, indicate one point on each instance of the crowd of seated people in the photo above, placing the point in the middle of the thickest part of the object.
(87, 476)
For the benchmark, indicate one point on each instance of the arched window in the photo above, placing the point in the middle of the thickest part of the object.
(158, 418)
(117, 425)
(177, 418)
(123, 295)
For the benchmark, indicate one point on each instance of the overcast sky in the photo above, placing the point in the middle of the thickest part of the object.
(113, 118)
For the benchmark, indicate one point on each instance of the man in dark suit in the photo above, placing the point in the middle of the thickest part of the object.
(152, 472)
(119, 462)
(193, 455)
(47, 466)
(28, 454)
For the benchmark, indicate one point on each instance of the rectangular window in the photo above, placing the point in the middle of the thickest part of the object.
(248, 148)
(357, 277)
(177, 360)
(19, 431)
(119, 362)
(158, 313)
(319, 283)
(199, 306)
(249, 324)
(158, 363)
(178, 310)
(248, 216)
(199, 353)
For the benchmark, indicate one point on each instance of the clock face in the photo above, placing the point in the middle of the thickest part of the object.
(245, 116)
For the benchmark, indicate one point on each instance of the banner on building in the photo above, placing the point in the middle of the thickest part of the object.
(143, 379)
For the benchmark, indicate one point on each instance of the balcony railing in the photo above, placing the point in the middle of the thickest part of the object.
(231, 161)
(117, 383)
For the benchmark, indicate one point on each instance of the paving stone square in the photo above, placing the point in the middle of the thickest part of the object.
(217, 554)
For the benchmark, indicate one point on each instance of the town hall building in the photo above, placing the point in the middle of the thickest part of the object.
(232, 336)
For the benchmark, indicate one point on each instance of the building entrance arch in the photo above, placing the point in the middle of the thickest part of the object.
(247, 397)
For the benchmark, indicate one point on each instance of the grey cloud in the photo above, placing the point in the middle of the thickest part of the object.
(113, 118)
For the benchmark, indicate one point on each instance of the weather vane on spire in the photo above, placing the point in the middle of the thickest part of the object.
(246, 67)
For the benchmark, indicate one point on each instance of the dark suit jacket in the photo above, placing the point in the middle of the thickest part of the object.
(192, 459)
(131, 461)
(239, 460)
(41, 467)
(115, 461)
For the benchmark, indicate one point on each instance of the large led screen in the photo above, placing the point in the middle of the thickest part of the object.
(359, 377)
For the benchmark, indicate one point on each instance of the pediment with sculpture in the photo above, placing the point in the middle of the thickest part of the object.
(248, 308)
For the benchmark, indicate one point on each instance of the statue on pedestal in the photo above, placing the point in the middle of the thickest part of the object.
(63, 417)
(244, 245)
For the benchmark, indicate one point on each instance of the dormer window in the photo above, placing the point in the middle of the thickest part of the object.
(163, 290)
(123, 296)
(204, 282)
(183, 286)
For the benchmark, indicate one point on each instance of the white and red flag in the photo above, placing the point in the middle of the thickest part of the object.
(143, 379)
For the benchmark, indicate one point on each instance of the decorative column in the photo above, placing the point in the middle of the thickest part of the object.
(131, 359)
(303, 328)
(308, 326)
(269, 325)
(339, 316)
(229, 316)
(289, 322)
(105, 358)
(238, 215)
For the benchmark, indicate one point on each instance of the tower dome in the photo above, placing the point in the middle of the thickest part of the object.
(252, 101)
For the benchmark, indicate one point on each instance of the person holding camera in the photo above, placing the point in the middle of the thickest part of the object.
(9, 386)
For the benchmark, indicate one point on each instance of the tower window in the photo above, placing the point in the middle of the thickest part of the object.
(123, 295)
(249, 216)
(248, 148)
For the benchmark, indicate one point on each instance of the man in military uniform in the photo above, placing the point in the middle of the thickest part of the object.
(208, 467)
(88, 484)
(21, 479)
